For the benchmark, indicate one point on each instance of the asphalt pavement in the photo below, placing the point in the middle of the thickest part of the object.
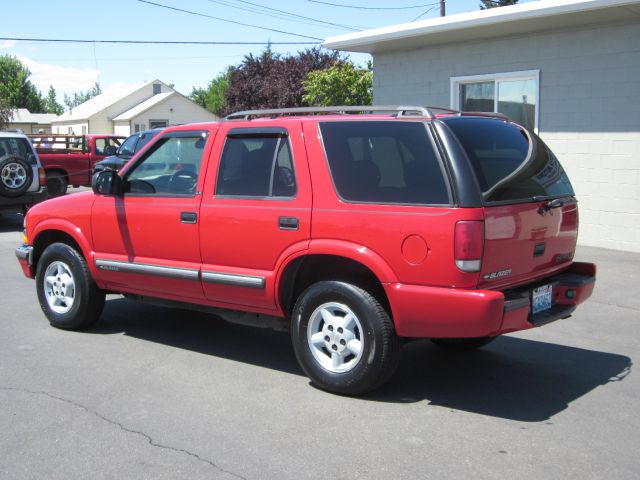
(152, 393)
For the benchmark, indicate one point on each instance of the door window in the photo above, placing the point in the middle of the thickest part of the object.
(171, 167)
(256, 166)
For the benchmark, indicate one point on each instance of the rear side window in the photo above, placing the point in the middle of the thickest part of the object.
(256, 166)
(384, 162)
(511, 164)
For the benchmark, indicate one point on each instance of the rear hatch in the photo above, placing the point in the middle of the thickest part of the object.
(531, 215)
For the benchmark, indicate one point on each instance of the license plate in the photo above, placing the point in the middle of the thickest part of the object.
(541, 299)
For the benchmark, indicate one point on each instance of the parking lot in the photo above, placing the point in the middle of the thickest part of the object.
(158, 393)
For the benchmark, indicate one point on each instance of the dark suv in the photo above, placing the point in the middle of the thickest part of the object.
(132, 145)
(354, 230)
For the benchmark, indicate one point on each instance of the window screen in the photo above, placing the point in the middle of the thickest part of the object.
(499, 155)
(256, 166)
(384, 162)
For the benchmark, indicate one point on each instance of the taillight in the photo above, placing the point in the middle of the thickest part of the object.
(468, 245)
(42, 177)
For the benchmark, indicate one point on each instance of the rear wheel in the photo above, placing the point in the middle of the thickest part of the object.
(56, 183)
(343, 338)
(16, 176)
(67, 294)
(462, 344)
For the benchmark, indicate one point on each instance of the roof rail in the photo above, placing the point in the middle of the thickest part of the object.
(399, 110)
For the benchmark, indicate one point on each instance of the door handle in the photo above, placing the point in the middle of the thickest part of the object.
(188, 217)
(288, 223)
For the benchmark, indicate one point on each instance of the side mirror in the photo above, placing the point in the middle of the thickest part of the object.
(110, 150)
(106, 182)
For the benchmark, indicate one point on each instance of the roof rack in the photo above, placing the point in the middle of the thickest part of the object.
(398, 110)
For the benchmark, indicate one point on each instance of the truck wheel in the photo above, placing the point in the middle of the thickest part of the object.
(16, 176)
(462, 344)
(56, 183)
(343, 338)
(67, 294)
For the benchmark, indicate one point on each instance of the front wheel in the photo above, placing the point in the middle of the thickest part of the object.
(343, 338)
(67, 294)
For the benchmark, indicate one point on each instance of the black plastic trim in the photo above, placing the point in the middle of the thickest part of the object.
(258, 132)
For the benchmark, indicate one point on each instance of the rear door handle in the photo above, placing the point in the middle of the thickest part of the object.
(288, 223)
(188, 217)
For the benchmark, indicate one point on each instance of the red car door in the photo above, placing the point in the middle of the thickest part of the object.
(146, 240)
(256, 211)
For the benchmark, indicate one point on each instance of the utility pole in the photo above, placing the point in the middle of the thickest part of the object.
(442, 8)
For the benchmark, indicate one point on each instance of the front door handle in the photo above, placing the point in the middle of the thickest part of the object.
(288, 223)
(188, 217)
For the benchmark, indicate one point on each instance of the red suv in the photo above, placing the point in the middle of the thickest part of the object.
(360, 230)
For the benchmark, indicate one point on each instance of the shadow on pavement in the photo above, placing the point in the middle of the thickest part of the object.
(512, 378)
(10, 222)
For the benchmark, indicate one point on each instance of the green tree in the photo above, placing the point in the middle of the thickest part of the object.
(212, 97)
(340, 84)
(50, 103)
(6, 113)
(15, 86)
(486, 4)
(81, 97)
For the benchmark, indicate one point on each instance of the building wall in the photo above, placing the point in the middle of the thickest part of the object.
(76, 128)
(29, 127)
(176, 110)
(589, 109)
(122, 128)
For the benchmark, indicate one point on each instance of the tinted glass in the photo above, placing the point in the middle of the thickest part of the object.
(172, 167)
(256, 166)
(505, 165)
(384, 162)
(17, 146)
(477, 97)
(129, 146)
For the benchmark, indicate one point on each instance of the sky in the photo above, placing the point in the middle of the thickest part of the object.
(74, 67)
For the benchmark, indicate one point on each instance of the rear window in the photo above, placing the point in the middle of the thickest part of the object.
(511, 164)
(384, 162)
(17, 146)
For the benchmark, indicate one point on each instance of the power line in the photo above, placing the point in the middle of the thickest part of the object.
(154, 42)
(281, 14)
(227, 20)
(371, 8)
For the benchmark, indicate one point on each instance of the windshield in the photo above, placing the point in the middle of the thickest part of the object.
(510, 163)
(128, 148)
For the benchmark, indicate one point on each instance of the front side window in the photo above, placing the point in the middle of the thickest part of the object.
(512, 94)
(256, 166)
(511, 164)
(171, 167)
(384, 162)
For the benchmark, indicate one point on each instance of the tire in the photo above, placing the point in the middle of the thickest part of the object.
(462, 344)
(67, 294)
(364, 350)
(16, 176)
(56, 183)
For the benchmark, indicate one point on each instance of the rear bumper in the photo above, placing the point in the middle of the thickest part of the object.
(432, 312)
(27, 199)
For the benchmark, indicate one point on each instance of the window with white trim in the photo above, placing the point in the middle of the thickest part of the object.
(515, 94)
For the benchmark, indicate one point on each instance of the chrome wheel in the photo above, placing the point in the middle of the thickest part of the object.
(13, 175)
(59, 287)
(335, 337)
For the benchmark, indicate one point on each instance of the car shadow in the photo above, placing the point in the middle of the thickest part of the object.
(10, 222)
(512, 378)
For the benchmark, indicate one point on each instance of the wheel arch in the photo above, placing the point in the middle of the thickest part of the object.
(313, 266)
(48, 233)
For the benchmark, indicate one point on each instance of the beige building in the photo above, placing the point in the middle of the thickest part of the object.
(29, 122)
(127, 110)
